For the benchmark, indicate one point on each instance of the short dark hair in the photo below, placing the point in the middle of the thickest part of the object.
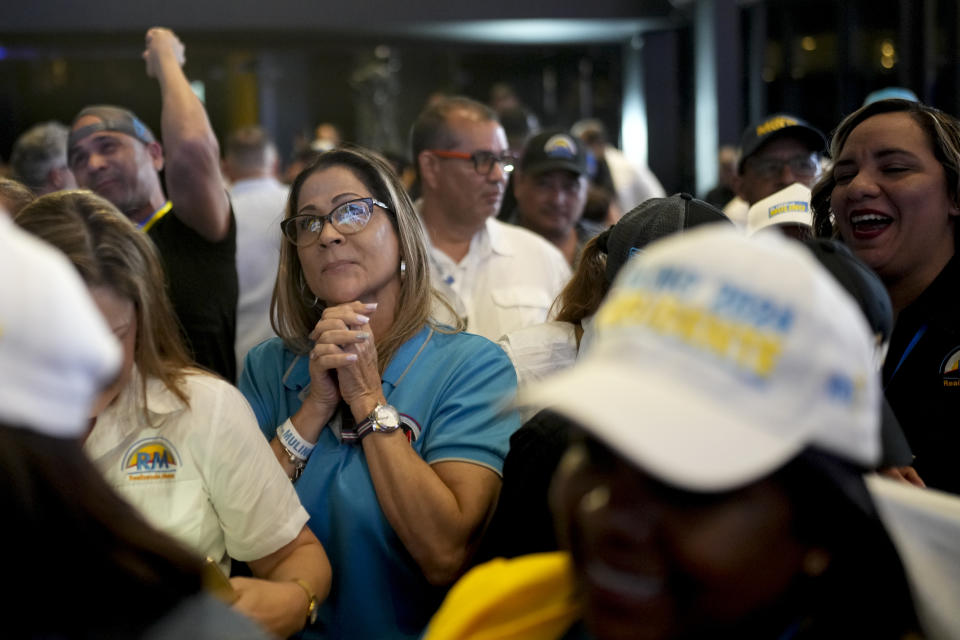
(430, 130)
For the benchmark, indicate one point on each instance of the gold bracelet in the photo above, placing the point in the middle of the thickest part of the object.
(312, 604)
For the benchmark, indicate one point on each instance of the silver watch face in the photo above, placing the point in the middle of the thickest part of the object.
(386, 418)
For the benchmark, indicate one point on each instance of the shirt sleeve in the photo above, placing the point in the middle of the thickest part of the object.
(473, 420)
(261, 385)
(258, 509)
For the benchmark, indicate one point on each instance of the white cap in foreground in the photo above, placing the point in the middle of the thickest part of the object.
(56, 352)
(719, 358)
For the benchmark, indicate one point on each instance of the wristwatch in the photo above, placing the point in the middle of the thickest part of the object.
(383, 419)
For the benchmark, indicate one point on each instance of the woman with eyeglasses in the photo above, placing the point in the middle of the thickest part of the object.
(387, 419)
(178, 443)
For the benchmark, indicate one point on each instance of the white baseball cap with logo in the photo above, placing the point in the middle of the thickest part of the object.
(787, 206)
(56, 351)
(718, 358)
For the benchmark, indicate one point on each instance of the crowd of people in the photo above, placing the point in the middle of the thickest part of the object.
(469, 396)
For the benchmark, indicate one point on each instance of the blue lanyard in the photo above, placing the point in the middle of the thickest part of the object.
(916, 338)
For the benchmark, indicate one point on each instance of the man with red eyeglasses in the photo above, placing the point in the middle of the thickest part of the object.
(498, 277)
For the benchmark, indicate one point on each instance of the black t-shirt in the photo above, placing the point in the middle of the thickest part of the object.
(522, 522)
(924, 391)
(202, 281)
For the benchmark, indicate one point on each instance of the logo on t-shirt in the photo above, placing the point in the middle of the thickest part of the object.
(150, 459)
(950, 369)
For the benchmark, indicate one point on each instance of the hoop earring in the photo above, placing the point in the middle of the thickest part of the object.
(304, 290)
(403, 268)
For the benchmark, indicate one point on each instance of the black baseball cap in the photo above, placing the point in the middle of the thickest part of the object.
(776, 126)
(551, 151)
(859, 280)
(867, 289)
(652, 220)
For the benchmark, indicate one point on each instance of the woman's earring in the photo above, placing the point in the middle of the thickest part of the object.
(403, 268)
(304, 290)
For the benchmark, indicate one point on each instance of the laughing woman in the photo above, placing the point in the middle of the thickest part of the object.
(893, 196)
(388, 421)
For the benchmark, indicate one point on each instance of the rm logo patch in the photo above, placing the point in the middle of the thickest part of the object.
(151, 459)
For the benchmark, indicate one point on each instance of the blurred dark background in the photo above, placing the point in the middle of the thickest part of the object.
(676, 78)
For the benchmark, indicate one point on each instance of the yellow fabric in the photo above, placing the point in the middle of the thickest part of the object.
(526, 598)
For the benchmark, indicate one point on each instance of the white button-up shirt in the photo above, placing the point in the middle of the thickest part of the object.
(508, 279)
(258, 206)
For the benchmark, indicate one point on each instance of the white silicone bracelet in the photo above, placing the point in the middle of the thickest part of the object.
(293, 442)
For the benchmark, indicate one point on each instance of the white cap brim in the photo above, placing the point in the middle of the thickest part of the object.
(677, 434)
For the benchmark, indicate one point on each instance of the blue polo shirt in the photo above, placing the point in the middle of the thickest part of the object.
(454, 386)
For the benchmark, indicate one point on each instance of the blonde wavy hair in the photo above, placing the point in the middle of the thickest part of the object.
(294, 310)
(108, 250)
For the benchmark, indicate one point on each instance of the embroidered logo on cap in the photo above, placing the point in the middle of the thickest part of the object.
(950, 369)
(721, 321)
(797, 206)
(150, 459)
(560, 146)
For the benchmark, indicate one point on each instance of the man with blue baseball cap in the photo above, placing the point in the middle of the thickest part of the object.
(551, 191)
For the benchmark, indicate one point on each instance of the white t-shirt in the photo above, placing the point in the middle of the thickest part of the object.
(258, 206)
(541, 350)
(204, 474)
(508, 279)
(633, 183)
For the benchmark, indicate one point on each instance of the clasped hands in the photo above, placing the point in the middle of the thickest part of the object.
(343, 360)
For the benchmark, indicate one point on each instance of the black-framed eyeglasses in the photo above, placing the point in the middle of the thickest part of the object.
(350, 217)
(801, 166)
(483, 161)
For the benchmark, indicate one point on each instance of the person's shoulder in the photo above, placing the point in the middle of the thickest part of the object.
(272, 350)
(517, 234)
(525, 242)
(540, 349)
(204, 388)
(465, 351)
(469, 343)
(539, 335)
(171, 231)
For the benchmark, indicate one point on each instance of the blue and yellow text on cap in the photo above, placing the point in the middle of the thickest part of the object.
(736, 326)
